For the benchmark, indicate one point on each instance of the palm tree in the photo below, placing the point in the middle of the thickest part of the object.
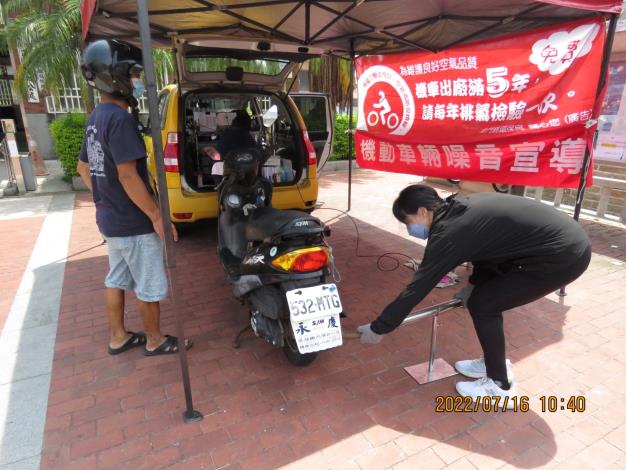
(48, 32)
(163, 66)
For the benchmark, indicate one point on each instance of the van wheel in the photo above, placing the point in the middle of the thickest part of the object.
(296, 357)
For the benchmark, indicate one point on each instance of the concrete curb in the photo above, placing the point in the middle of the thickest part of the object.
(338, 165)
(78, 184)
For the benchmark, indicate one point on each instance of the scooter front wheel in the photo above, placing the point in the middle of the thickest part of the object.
(296, 357)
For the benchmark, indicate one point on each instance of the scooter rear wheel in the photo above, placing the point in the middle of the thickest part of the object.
(296, 357)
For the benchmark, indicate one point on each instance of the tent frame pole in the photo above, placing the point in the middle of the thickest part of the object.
(189, 415)
(603, 77)
(350, 131)
(604, 70)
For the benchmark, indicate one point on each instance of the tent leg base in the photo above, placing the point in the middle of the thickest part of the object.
(192, 416)
(440, 370)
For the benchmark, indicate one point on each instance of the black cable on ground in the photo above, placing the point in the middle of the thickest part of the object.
(388, 255)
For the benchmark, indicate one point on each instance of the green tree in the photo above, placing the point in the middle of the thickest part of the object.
(218, 64)
(331, 75)
(340, 137)
(68, 133)
(48, 32)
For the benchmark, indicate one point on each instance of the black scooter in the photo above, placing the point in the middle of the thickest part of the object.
(277, 262)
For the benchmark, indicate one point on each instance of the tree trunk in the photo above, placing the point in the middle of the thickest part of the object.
(90, 102)
(327, 79)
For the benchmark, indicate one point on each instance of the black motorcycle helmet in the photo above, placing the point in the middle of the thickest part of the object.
(243, 163)
(109, 64)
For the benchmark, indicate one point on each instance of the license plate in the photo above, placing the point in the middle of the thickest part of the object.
(314, 313)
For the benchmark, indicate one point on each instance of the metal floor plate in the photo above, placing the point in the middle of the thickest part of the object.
(441, 370)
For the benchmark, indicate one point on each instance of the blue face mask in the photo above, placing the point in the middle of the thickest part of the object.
(138, 88)
(418, 230)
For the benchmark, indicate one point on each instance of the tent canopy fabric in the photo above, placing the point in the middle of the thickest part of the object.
(368, 26)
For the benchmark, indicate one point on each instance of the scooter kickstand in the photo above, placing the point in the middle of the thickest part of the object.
(237, 342)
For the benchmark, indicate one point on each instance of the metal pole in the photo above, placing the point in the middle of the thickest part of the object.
(603, 75)
(307, 22)
(434, 310)
(580, 194)
(350, 111)
(189, 415)
(433, 346)
(425, 372)
(11, 188)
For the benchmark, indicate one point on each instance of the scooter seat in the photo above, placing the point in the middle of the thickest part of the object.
(267, 222)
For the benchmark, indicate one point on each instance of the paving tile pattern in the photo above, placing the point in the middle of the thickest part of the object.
(354, 407)
(17, 239)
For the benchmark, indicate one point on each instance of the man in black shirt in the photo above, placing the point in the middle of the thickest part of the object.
(237, 135)
(112, 163)
(521, 250)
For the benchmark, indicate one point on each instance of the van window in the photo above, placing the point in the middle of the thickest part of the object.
(163, 99)
(213, 128)
(220, 64)
(313, 110)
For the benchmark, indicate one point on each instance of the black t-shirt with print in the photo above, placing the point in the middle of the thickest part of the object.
(111, 138)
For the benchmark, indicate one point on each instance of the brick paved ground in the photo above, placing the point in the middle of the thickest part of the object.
(354, 407)
(17, 239)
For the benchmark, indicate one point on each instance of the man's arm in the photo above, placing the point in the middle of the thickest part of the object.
(138, 193)
(83, 170)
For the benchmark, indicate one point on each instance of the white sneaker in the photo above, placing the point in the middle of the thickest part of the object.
(475, 368)
(484, 388)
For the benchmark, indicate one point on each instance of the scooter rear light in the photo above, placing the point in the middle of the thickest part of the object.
(310, 150)
(305, 260)
(170, 153)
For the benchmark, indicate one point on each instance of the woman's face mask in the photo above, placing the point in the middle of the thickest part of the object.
(418, 225)
(418, 230)
(138, 87)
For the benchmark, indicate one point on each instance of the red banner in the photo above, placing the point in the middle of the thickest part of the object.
(518, 109)
(87, 9)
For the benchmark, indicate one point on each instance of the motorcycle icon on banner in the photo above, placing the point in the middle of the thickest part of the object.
(394, 110)
(374, 117)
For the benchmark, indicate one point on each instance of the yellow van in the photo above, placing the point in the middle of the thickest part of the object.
(217, 84)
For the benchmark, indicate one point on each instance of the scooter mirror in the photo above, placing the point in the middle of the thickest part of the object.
(270, 116)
